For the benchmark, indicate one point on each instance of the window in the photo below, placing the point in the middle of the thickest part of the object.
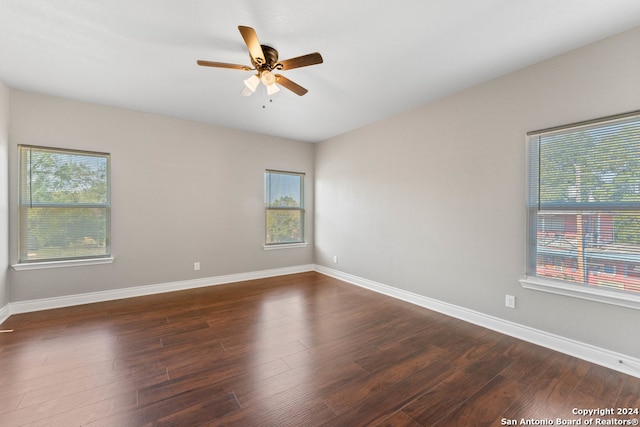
(584, 205)
(64, 204)
(284, 207)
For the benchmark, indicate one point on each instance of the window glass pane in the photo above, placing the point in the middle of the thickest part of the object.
(64, 204)
(284, 226)
(597, 165)
(53, 177)
(593, 248)
(53, 233)
(283, 190)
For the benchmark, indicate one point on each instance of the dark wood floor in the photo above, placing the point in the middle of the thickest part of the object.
(299, 350)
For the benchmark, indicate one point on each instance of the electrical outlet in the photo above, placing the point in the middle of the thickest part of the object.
(335, 259)
(510, 301)
(196, 266)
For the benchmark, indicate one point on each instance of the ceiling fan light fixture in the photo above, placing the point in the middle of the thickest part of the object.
(252, 83)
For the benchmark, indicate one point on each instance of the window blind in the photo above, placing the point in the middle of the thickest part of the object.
(584, 203)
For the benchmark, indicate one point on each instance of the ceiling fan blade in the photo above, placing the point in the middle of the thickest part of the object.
(251, 40)
(300, 61)
(224, 65)
(292, 86)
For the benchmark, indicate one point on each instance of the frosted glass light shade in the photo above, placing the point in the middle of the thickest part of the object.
(252, 83)
(267, 78)
(271, 89)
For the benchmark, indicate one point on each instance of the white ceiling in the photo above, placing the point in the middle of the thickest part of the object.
(381, 57)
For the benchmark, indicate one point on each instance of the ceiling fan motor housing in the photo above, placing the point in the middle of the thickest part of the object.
(270, 57)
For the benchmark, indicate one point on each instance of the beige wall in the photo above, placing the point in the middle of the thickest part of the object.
(181, 192)
(432, 201)
(4, 196)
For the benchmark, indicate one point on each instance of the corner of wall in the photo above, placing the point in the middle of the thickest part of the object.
(4, 197)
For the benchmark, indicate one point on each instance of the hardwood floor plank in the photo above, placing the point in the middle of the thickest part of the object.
(189, 409)
(377, 406)
(549, 394)
(602, 383)
(529, 361)
(398, 419)
(37, 377)
(276, 411)
(225, 377)
(438, 401)
(58, 411)
(297, 382)
(112, 383)
(384, 375)
(486, 406)
(9, 401)
(629, 394)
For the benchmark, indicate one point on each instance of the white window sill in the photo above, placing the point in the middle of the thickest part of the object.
(58, 264)
(285, 246)
(591, 293)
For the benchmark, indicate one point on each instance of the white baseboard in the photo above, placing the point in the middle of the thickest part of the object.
(5, 312)
(619, 362)
(71, 300)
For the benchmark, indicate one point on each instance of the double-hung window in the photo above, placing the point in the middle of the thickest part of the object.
(64, 204)
(284, 208)
(584, 210)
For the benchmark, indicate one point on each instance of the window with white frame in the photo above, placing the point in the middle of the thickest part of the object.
(584, 206)
(284, 207)
(64, 204)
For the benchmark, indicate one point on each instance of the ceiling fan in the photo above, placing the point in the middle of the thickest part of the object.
(265, 60)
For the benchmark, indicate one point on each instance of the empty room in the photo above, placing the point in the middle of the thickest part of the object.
(305, 213)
